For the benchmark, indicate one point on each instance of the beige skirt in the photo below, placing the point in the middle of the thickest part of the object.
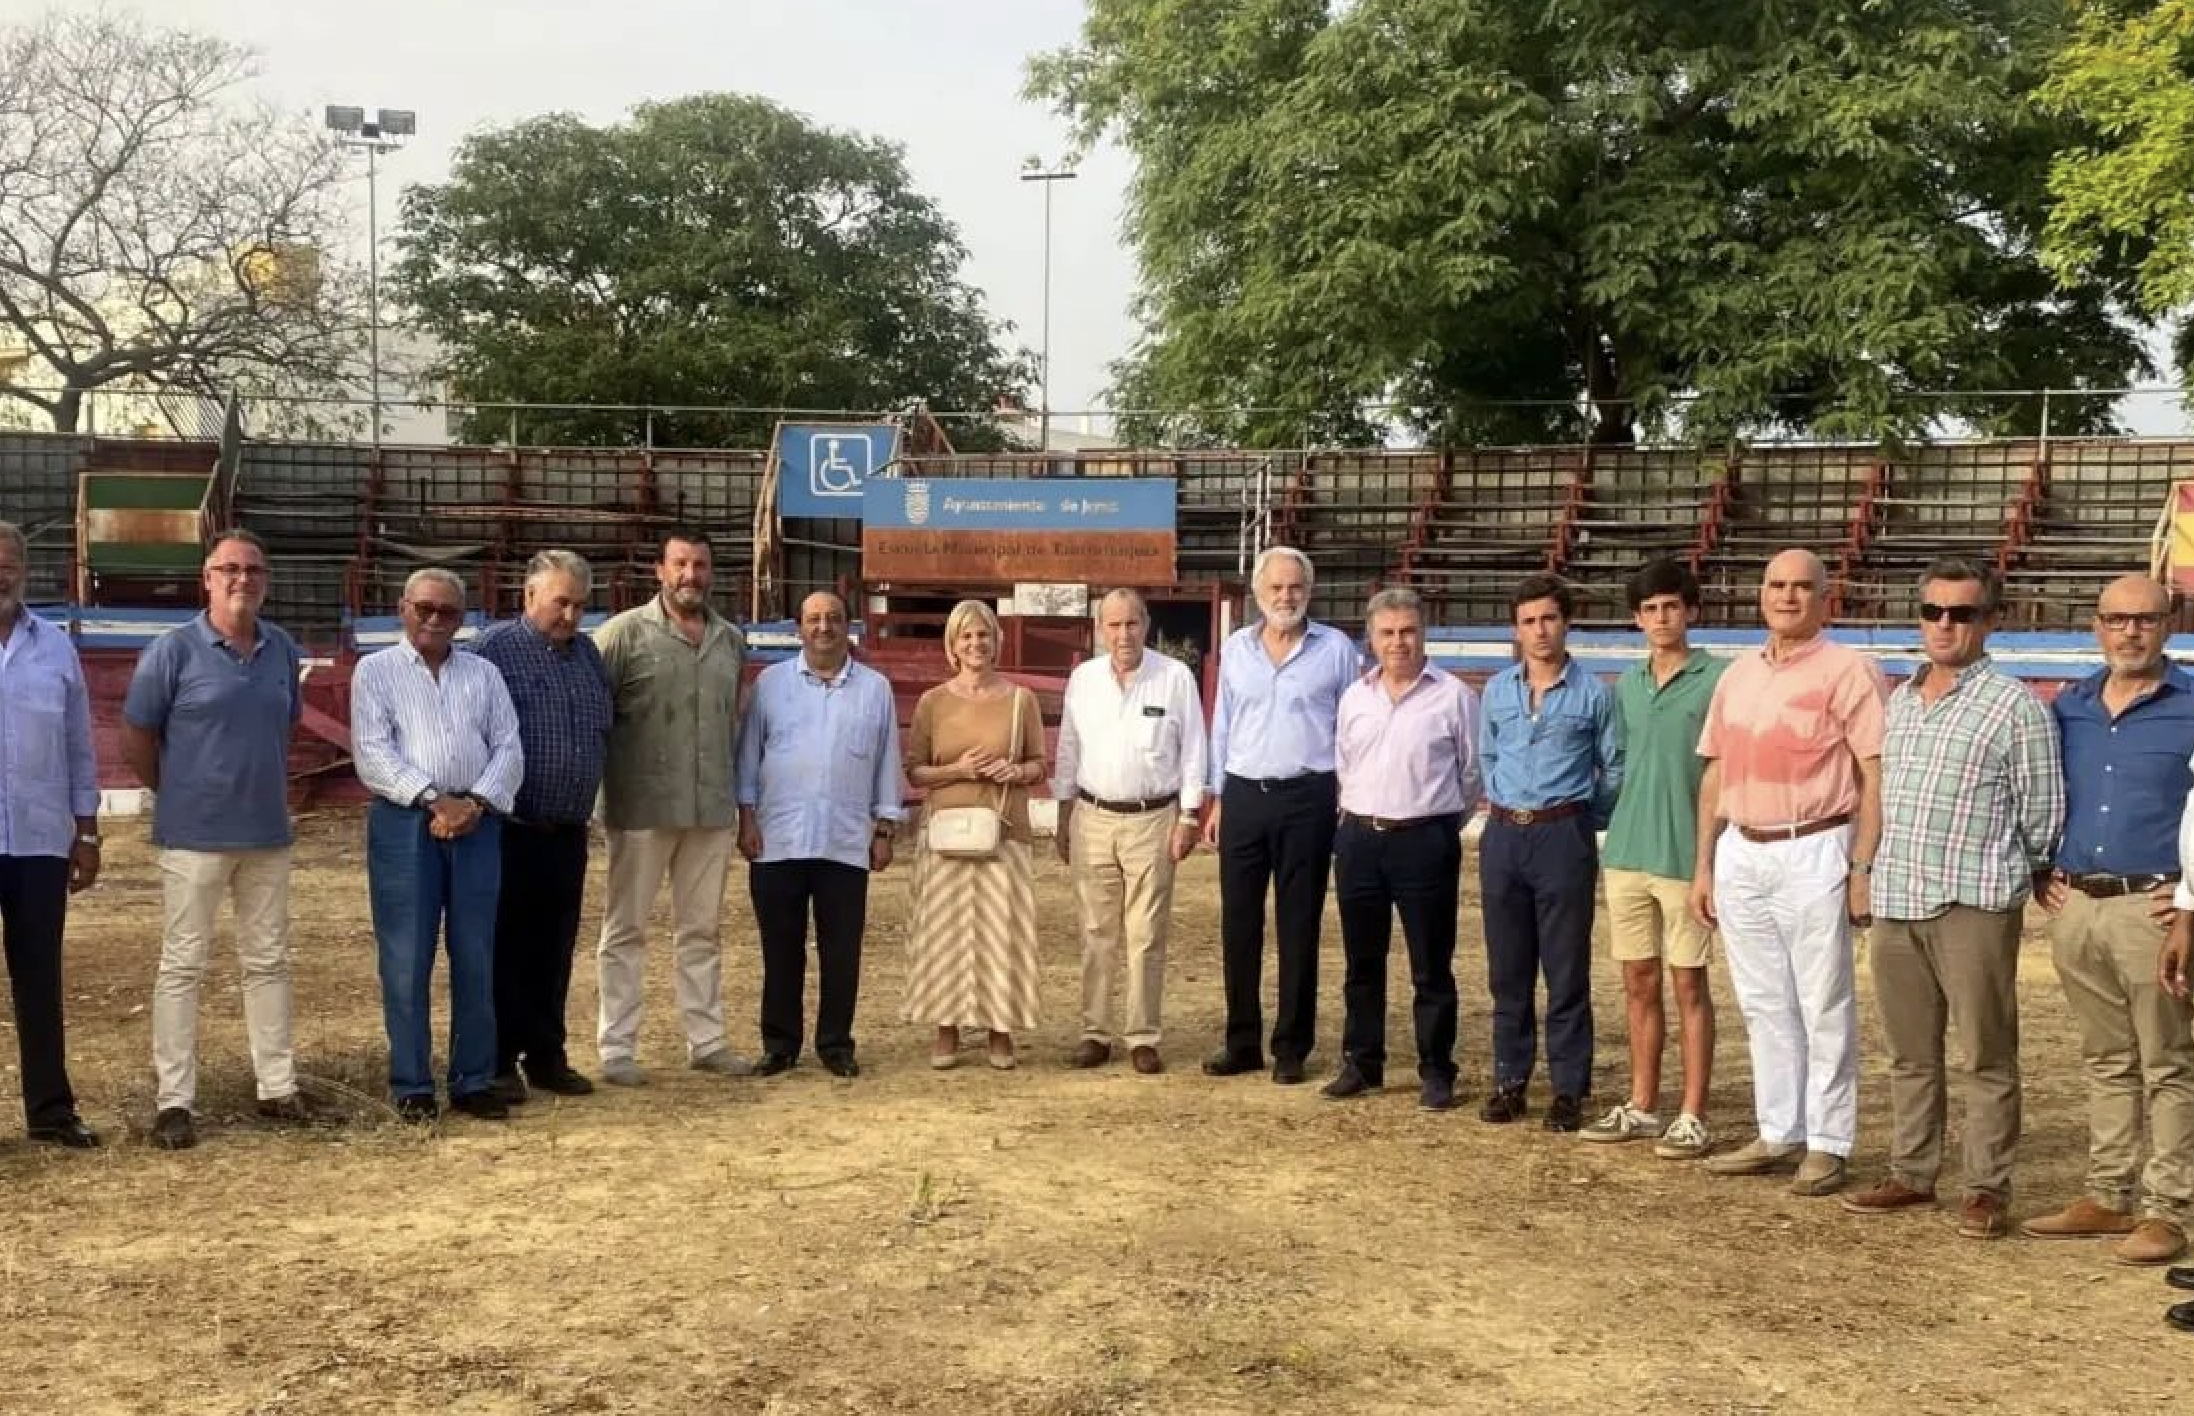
(972, 959)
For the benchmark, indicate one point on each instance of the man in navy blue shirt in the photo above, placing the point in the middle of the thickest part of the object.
(206, 726)
(561, 691)
(2128, 732)
(1552, 749)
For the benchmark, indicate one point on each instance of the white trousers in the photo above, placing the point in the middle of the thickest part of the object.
(695, 861)
(192, 886)
(1787, 936)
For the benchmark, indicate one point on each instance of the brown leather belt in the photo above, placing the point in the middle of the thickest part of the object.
(1384, 824)
(2108, 887)
(1791, 833)
(1535, 815)
(1127, 808)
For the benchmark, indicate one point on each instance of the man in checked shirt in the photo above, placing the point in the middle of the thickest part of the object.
(1972, 803)
(560, 690)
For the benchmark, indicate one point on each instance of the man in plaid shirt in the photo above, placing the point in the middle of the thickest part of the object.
(1972, 804)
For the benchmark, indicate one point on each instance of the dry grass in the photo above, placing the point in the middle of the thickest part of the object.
(1078, 1244)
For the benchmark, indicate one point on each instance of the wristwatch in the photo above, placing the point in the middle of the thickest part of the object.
(91, 840)
(427, 798)
(1862, 867)
(886, 830)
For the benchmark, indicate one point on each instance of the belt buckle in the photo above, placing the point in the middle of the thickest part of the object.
(1524, 817)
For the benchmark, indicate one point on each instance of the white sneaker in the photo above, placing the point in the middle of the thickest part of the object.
(1623, 1123)
(1686, 1138)
(623, 1072)
(725, 1063)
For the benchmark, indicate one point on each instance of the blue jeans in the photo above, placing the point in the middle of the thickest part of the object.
(419, 886)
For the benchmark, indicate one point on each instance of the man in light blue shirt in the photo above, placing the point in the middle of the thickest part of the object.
(437, 743)
(1272, 810)
(1552, 745)
(207, 726)
(49, 836)
(819, 803)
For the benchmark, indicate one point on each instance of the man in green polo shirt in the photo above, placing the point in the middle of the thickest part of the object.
(1646, 865)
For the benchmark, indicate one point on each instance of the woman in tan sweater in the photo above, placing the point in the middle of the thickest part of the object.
(972, 960)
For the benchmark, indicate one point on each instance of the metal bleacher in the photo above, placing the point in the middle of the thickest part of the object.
(1490, 518)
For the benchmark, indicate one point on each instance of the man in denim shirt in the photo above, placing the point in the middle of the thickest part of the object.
(1552, 748)
(561, 691)
(49, 836)
(818, 792)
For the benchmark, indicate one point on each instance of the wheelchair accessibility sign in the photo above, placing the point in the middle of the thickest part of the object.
(822, 467)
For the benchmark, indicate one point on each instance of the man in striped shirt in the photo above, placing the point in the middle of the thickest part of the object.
(436, 740)
(1972, 803)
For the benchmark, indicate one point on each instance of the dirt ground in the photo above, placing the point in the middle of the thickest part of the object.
(1039, 1241)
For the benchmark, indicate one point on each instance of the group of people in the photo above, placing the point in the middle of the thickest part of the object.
(1779, 799)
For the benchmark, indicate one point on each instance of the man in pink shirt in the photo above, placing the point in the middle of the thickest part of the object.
(1789, 815)
(1406, 753)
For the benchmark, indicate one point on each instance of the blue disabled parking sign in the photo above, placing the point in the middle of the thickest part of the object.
(822, 467)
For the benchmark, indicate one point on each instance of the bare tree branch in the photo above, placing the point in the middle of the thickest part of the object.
(157, 226)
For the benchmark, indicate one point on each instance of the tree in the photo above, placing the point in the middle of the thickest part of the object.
(713, 250)
(2125, 192)
(1595, 218)
(158, 229)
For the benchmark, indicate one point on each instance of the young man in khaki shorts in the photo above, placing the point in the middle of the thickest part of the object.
(1646, 865)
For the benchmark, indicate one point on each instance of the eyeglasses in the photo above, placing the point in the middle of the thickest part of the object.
(436, 610)
(2147, 619)
(1956, 614)
(238, 572)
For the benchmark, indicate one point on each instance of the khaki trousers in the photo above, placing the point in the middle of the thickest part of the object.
(192, 886)
(1123, 882)
(2137, 1052)
(1959, 969)
(695, 860)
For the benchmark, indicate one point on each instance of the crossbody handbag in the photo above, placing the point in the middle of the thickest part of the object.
(973, 832)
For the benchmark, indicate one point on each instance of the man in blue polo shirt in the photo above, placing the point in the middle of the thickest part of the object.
(2128, 732)
(560, 690)
(1551, 743)
(206, 726)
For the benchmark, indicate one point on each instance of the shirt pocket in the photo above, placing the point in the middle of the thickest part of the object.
(1157, 737)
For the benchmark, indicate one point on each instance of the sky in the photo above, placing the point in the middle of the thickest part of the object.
(941, 78)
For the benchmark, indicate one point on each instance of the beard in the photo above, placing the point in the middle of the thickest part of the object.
(1282, 618)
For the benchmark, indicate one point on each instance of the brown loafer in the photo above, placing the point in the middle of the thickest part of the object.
(1089, 1052)
(1888, 1197)
(1146, 1061)
(2082, 1219)
(2153, 1241)
(1982, 1216)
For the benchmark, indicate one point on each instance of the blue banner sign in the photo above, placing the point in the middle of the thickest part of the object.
(1001, 504)
(822, 468)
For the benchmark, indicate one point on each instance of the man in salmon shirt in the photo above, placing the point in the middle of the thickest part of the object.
(1789, 816)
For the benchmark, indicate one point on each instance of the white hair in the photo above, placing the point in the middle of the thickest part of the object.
(438, 575)
(1271, 553)
(547, 563)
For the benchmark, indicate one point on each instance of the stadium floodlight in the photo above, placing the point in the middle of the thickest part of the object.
(1033, 170)
(387, 132)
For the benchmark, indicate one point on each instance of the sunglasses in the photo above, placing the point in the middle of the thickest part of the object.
(2146, 620)
(433, 610)
(1956, 614)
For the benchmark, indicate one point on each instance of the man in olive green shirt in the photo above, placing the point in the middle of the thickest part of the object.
(674, 668)
(1646, 865)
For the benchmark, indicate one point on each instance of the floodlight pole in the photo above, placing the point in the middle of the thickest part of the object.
(1049, 177)
(385, 134)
